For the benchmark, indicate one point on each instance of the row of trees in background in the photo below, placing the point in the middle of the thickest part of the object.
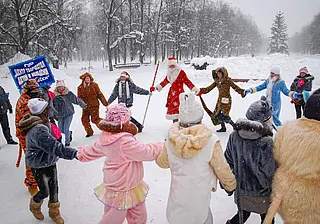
(308, 40)
(122, 31)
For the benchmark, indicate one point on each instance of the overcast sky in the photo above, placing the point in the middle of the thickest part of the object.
(298, 13)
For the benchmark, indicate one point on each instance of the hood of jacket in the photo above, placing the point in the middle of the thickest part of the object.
(29, 121)
(248, 129)
(65, 92)
(87, 74)
(188, 142)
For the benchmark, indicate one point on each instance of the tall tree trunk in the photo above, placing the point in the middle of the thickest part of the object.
(141, 55)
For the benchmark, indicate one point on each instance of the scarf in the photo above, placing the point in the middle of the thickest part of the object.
(127, 89)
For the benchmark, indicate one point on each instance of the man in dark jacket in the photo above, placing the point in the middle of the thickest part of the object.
(124, 90)
(303, 82)
(250, 156)
(5, 106)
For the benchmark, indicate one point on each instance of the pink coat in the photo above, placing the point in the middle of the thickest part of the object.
(123, 168)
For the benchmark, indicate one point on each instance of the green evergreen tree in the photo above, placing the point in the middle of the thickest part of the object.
(279, 36)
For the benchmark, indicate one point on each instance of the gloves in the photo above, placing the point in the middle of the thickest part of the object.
(246, 91)
(301, 83)
(152, 89)
(199, 93)
(10, 110)
(297, 95)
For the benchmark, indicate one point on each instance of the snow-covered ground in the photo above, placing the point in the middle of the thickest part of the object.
(77, 180)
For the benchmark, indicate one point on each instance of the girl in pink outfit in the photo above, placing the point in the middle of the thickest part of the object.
(123, 191)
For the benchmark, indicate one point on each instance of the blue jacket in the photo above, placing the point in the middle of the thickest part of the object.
(122, 94)
(43, 149)
(278, 87)
(63, 102)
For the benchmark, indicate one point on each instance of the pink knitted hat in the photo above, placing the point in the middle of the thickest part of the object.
(117, 114)
(304, 69)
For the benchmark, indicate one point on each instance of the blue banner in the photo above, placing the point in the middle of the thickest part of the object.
(34, 68)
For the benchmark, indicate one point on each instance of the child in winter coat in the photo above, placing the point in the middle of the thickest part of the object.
(43, 152)
(250, 156)
(62, 102)
(123, 191)
(223, 82)
(194, 155)
(90, 93)
(274, 85)
(124, 90)
(303, 82)
(177, 78)
(30, 90)
(296, 183)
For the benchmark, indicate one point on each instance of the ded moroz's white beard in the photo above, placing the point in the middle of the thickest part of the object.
(172, 74)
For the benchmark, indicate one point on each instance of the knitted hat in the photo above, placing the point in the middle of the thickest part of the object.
(312, 106)
(275, 70)
(60, 83)
(172, 61)
(117, 114)
(191, 111)
(259, 110)
(304, 70)
(125, 74)
(37, 105)
(30, 85)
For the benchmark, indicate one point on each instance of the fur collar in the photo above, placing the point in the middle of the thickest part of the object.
(187, 142)
(252, 129)
(29, 121)
(128, 127)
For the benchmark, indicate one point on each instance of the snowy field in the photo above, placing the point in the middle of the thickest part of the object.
(77, 180)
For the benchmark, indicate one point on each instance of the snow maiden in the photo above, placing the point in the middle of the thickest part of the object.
(274, 86)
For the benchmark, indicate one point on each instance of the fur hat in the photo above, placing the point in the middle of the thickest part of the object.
(30, 85)
(304, 70)
(37, 105)
(312, 106)
(259, 110)
(117, 114)
(60, 83)
(172, 61)
(85, 75)
(125, 74)
(191, 111)
(275, 70)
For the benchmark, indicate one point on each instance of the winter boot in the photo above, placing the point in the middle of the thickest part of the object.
(223, 128)
(175, 120)
(70, 136)
(35, 208)
(54, 212)
(33, 191)
(12, 142)
(88, 135)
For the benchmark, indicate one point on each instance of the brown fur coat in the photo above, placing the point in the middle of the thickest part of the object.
(90, 94)
(296, 184)
(224, 99)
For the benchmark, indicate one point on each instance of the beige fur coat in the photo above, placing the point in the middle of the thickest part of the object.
(296, 184)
